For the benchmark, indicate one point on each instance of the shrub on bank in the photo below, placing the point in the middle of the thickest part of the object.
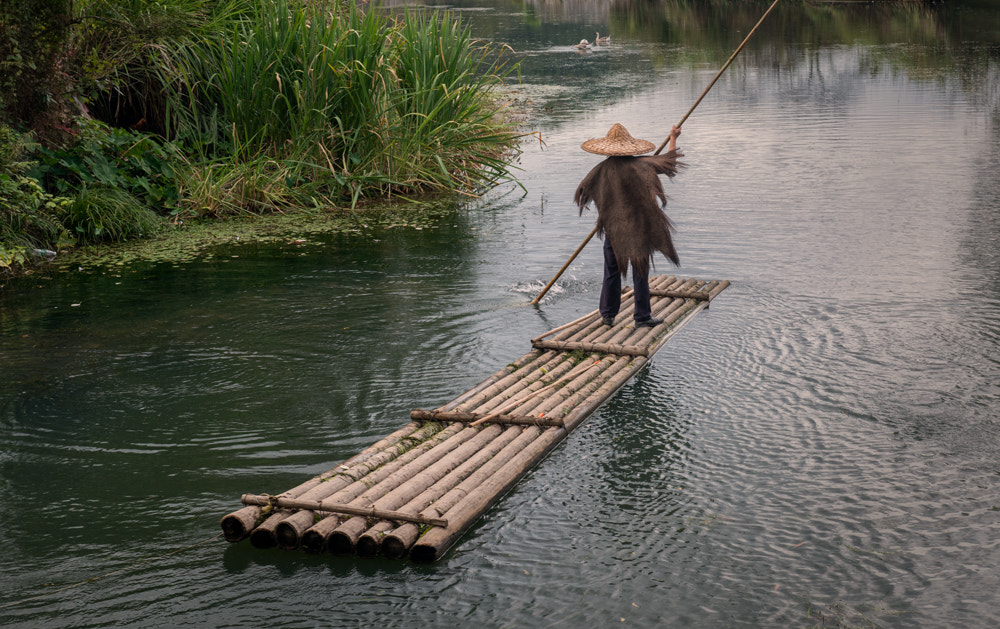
(92, 200)
(29, 216)
(338, 106)
(139, 164)
(212, 108)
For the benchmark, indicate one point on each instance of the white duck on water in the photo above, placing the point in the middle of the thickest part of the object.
(583, 45)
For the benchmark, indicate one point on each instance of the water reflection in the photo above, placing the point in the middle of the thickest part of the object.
(924, 40)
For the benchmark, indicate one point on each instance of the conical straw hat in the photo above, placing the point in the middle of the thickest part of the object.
(618, 142)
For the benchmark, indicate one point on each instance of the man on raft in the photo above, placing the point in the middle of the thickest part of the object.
(630, 201)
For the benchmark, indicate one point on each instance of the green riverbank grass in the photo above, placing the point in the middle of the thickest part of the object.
(283, 107)
(306, 107)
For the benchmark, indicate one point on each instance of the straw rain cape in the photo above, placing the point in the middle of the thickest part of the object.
(630, 204)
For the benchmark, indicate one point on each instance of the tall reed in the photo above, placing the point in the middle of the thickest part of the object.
(342, 105)
(449, 120)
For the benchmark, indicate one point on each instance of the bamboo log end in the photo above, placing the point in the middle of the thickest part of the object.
(395, 545)
(368, 545)
(394, 548)
(340, 544)
(287, 533)
(423, 553)
(312, 542)
(263, 538)
(237, 525)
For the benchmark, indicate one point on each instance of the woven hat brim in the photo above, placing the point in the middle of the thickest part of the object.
(617, 148)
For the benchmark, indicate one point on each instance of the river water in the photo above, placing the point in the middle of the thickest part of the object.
(820, 448)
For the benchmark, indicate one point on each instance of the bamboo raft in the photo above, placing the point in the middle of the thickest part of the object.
(416, 491)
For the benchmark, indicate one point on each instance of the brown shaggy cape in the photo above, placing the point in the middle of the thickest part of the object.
(630, 204)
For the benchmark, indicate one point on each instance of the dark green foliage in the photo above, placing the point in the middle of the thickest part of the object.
(108, 214)
(33, 35)
(118, 49)
(99, 189)
(29, 216)
(103, 156)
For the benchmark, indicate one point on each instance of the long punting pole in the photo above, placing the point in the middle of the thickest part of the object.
(722, 69)
(568, 262)
(678, 125)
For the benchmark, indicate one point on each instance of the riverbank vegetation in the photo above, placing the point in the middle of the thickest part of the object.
(121, 117)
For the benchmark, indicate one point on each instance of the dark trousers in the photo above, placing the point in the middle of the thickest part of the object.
(611, 290)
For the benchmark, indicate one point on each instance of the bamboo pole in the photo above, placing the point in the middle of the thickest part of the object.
(628, 306)
(344, 475)
(370, 542)
(313, 539)
(565, 266)
(533, 370)
(289, 531)
(721, 70)
(669, 311)
(319, 505)
(489, 441)
(572, 324)
(518, 400)
(396, 543)
(520, 420)
(604, 348)
(588, 369)
(263, 536)
(462, 513)
(471, 486)
(344, 539)
(525, 402)
(590, 325)
(363, 495)
(500, 375)
(593, 325)
(504, 400)
(238, 524)
(621, 330)
(680, 294)
(341, 539)
(638, 337)
(621, 369)
(597, 371)
(503, 389)
(627, 331)
(430, 547)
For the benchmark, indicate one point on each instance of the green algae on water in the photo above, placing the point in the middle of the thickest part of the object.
(188, 241)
